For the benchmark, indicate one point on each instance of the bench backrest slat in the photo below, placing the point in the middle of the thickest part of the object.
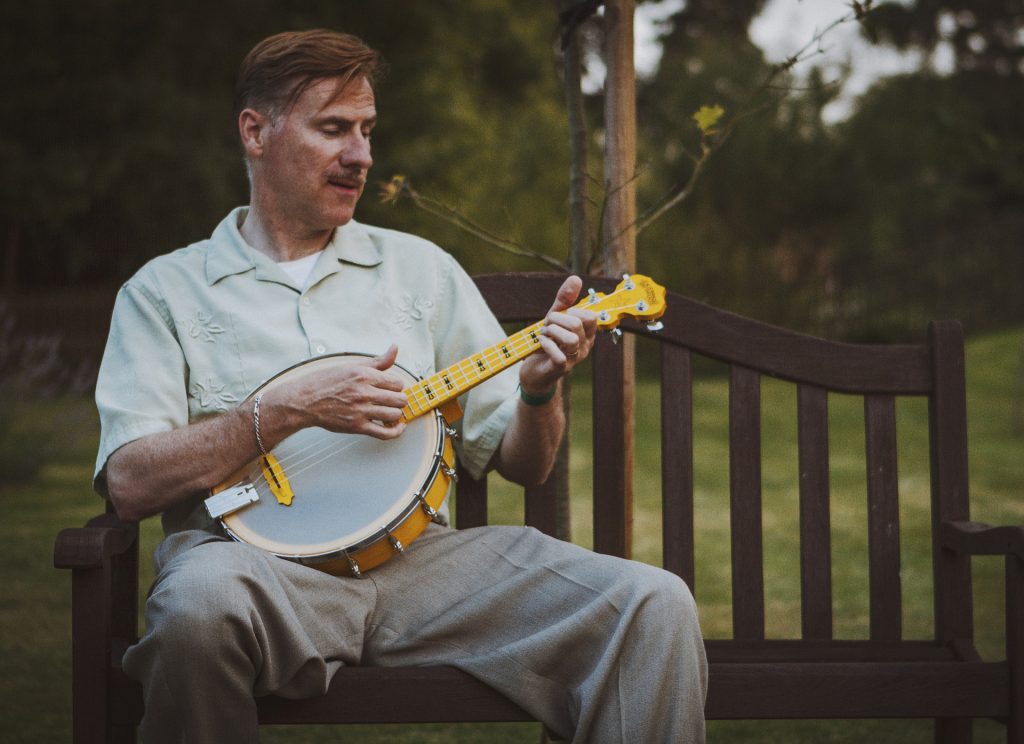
(611, 535)
(883, 517)
(815, 514)
(541, 508)
(470, 501)
(745, 503)
(677, 463)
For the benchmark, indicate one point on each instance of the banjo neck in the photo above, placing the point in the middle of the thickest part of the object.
(636, 296)
(451, 382)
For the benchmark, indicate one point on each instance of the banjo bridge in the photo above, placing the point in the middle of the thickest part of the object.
(273, 473)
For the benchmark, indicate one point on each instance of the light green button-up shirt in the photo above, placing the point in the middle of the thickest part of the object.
(195, 331)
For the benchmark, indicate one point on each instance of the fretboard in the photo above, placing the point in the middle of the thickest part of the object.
(449, 383)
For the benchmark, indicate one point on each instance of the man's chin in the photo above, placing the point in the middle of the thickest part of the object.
(339, 217)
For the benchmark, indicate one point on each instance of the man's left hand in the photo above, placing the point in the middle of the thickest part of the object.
(566, 340)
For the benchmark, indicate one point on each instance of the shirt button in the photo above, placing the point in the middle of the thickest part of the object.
(305, 301)
(320, 349)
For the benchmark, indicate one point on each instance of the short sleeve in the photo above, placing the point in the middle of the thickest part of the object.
(141, 386)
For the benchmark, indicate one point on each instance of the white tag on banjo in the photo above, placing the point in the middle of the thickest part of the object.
(231, 499)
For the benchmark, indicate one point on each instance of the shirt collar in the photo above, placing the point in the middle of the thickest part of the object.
(230, 254)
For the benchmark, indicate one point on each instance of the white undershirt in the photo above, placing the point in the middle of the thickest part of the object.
(301, 269)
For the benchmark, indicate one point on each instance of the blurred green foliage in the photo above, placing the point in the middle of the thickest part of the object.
(116, 144)
(33, 372)
(912, 208)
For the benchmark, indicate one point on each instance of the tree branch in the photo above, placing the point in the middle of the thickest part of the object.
(710, 144)
(399, 186)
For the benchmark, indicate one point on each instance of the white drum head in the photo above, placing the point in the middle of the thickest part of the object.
(347, 487)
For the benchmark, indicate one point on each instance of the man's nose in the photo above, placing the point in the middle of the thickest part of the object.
(357, 152)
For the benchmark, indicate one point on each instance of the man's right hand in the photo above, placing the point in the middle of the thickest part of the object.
(358, 397)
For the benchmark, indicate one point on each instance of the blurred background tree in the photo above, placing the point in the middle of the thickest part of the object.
(910, 208)
(116, 144)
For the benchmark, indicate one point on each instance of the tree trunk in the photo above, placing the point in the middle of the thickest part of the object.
(619, 229)
(580, 230)
(618, 254)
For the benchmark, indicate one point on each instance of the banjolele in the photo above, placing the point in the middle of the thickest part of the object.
(345, 503)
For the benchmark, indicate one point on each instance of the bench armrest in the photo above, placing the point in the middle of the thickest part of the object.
(103, 538)
(977, 538)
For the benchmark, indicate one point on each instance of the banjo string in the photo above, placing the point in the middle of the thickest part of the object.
(308, 457)
(311, 456)
(519, 343)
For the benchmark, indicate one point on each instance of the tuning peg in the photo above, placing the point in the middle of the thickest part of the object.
(592, 296)
(616, 335)
(628, 282)
(655, 326)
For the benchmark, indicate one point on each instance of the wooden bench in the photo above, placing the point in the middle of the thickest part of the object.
(812, 676)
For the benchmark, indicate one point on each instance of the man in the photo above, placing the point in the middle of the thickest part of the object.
(597, 648)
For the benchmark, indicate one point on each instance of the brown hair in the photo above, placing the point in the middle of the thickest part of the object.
(278, 69)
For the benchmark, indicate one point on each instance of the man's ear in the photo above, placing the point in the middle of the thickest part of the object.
(252, 128)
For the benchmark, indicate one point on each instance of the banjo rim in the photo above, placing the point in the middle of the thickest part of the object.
(365, 553)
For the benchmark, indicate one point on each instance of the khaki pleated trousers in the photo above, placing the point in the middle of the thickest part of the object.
(598, 648)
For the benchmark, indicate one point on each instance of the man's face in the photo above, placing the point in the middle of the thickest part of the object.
(313, 167)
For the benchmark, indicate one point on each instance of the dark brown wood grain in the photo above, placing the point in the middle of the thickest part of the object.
(677, 463)
(810, 676)
(947, 417)
(815, 519)
(470, 501)
(541, 507)
(745, 503)
(883, 518)
(609, 496)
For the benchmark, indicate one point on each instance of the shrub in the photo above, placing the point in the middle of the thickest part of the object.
(32, 370)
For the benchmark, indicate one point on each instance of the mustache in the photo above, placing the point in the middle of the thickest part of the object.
(351, 176)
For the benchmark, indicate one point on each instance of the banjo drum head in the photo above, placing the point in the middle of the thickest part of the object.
(347, 487)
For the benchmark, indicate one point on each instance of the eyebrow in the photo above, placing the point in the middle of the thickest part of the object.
(344, 122)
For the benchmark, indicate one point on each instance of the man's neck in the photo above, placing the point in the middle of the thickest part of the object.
(278, 239)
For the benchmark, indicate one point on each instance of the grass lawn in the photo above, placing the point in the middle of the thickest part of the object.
(35, 598)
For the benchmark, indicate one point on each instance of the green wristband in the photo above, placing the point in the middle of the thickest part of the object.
(537, 400)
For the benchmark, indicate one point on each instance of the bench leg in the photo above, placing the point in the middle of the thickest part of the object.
(1015, 646)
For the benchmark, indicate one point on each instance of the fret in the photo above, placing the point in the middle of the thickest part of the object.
(638, 297)
(449, 383)
(462, 370)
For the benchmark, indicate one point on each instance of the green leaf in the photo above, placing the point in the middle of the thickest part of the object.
(707, 117)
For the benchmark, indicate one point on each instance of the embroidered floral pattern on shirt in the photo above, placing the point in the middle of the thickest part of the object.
(421, 368)
(411, 309)
(201, 325)
(212, 394)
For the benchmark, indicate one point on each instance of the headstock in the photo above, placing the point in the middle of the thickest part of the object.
(636, 296)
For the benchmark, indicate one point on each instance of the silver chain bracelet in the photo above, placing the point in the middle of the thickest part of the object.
(256, 422)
